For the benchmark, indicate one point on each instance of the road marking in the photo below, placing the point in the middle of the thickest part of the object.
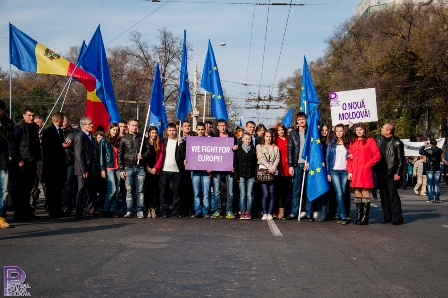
(274, 229)
(374, 205)
(445, 226)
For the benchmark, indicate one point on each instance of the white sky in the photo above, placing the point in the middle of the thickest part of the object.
(61, 24)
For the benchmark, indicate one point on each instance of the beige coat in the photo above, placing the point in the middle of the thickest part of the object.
(264, 153)
(418, 168)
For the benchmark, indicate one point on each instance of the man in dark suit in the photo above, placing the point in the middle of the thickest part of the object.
(86, 167)
(25, 153)
(54, 167)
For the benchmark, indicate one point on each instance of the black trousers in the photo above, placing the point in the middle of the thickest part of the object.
(282, 188)
(23, 183)
(86, 191)
(54, 194)
(390, 200)
(165, 179)
(152, 193)
(187, 193)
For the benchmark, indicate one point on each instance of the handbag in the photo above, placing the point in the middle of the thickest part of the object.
(263, 174)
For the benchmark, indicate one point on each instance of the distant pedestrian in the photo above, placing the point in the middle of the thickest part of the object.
(433, 156)
(420, 173)
(6, 138)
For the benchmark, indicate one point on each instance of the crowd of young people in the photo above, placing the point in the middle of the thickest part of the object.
(149, 171)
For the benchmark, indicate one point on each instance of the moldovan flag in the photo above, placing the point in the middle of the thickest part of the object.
(30, 56)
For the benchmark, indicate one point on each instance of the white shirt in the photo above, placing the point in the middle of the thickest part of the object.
(170, 158)
(340, 160)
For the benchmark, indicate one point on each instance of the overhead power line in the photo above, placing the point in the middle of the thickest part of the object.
(249, 3)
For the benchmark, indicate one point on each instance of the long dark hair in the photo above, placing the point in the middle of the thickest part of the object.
(156, 142)
(366, 133)
(327, 137)
(114, 141)
(344, 138)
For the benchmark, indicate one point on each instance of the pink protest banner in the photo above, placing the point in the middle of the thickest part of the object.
(211, 154)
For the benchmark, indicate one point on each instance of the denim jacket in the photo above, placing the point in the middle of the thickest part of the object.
(106, 154)
(331, 154)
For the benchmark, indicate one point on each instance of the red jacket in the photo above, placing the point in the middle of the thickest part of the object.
(362, 157)
(283, 167)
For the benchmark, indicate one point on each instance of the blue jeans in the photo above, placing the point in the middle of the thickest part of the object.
(217, 191)
(69, 190)
(297, 186)
(339, 180)
(432, 183)
(246, 186)
(4, 185)
(201, 185)
(135, 180)
(267, 202)
(113, 187)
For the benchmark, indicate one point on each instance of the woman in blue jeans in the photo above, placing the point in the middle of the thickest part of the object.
(108, 149)
(336, 160)
(268, 156)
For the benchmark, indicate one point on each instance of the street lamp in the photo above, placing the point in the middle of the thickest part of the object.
(195, 111)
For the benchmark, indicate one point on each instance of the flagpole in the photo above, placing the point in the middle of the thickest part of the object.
(144, 131)
(205, 101)
(66, 84)
(68, 88)
(180, 125)
(10, 91)
(303, 183)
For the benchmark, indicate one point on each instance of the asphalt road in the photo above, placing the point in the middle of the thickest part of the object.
(105, 257)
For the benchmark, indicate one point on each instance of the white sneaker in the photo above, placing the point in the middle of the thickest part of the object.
(265, 217)
(303, 214)
(314, 214)
(140, 214)
(128, 215)
(270, 217)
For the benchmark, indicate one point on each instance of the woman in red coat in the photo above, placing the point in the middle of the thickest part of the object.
(363, 154)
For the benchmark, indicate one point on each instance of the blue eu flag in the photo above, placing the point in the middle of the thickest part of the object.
(157, 116)
(308, 96)
(287, 120)
(317, 183)
(211, 82)
(184, 104)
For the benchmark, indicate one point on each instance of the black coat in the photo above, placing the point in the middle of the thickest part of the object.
(6, 139)
(129, 148)
(54, 165)
(394, 157)
(433, 155)
(245, 164)
(294, 147)
(86, 156)
(26, 146)
(179, 154)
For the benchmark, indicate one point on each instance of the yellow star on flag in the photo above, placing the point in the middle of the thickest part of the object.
(219, 96)
(323, 164)
(311, 172)
(210, 71)
(159, 124)
(303, 88)
(213, 95)
(318, 141)
(186, 80)
(215, 68)
(301, 108)
(152, 124)
(163, 103)
(312, 139)
(318, 170)
(304, 102)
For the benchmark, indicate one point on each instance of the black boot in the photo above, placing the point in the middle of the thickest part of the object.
(359, 212)
(365, 217)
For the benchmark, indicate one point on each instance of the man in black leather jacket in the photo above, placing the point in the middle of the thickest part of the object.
(388, 172)
(131, 165)
(433, 155)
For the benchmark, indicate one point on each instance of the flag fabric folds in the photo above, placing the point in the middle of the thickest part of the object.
(211, 82)
(317, 183)
(157, 117)
(241, 121)
(93, 59)
(184, 104)
(308, 96)
(30, 56)
(287, 120)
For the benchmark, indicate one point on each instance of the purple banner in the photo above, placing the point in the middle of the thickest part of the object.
(211, 154)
